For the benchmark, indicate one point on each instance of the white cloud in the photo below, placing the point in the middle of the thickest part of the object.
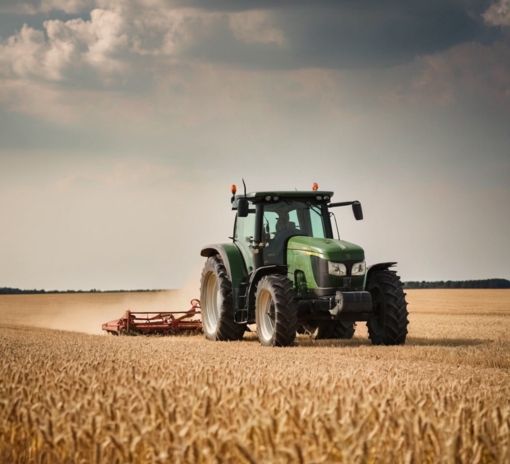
(60, 73)
(498, 14)
(23, 55)
(108, 44)
(142, 53)
(165, 31)
(69, 47)
(104, 36)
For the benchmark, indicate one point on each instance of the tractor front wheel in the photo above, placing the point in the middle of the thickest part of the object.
(275, 311)
(216, 303)
(388, 323)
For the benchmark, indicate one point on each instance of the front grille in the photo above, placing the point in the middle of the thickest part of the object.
(324, 279)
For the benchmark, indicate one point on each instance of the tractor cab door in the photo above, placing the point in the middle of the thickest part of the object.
(279, 226)
(244, 235)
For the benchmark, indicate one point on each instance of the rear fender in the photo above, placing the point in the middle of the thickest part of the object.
(377, 267)
(232, 260)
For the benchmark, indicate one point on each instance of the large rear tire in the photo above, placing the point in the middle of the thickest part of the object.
(275, 311)
(216, 303)
(336, 330)
(388, 323)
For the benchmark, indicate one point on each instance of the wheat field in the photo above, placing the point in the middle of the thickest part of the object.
(72, 397)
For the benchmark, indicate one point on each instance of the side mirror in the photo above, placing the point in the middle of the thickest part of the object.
(242, 207)
(358, 212)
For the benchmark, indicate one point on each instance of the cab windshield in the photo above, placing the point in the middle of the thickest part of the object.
(304, 218)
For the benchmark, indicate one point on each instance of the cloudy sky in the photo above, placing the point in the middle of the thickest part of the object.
(123, 124)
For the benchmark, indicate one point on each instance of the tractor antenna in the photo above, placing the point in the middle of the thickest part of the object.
(244, 189)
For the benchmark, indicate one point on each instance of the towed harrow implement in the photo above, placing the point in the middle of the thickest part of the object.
(145, 323)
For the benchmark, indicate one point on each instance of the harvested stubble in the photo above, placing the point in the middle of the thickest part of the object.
(70, 397)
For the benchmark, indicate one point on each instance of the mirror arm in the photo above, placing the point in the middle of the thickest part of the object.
(356, 208)
(343, 203)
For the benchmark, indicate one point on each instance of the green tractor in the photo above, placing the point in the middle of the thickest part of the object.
(285, 272)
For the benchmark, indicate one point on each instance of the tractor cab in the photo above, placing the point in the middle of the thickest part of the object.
(264, 228)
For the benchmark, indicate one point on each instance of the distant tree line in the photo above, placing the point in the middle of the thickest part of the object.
(486, 283)
(17, 291)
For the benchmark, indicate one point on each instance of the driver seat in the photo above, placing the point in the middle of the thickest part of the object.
(276, 251)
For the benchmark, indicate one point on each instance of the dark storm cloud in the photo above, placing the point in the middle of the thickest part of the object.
(244, 5)
(342, 34)
(359, 36)
(347, 34)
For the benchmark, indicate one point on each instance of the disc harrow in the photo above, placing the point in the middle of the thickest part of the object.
(164, 323)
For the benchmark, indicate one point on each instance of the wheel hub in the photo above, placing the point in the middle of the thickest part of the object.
(266, 315)
(211, 308)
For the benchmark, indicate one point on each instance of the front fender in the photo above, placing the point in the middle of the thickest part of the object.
(377, 267)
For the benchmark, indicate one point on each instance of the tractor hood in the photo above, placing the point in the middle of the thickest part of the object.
(327, 248)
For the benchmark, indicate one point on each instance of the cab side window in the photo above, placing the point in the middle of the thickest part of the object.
(244, 234)
(317, 224)
(293, 217)
(270, 220)
(245, 228)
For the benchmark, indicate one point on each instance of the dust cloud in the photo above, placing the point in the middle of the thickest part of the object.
(86, 312)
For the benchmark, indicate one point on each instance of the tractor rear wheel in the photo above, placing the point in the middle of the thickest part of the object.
(336, 330)
(216, 303)
(388, 323)
(275, 311)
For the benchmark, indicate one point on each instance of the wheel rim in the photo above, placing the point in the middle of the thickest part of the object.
(265, 315)
(211, 307)
(378, 306)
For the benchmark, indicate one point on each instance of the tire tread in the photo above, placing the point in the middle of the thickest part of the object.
(227, 329)
(396, 321)
(286, 322)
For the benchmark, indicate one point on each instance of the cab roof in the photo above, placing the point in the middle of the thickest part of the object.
(319, 196)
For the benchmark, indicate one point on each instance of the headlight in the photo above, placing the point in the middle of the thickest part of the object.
(338, 269)
(359, 268)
